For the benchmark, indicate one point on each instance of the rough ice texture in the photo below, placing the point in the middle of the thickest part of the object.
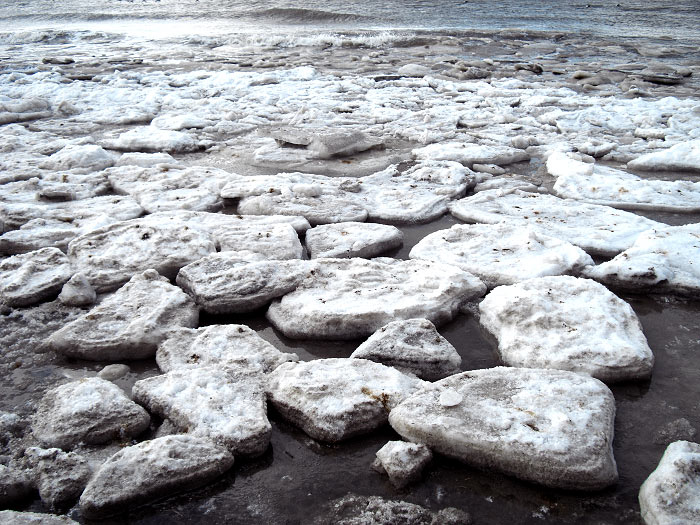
(680, 157)
(273, 241)
(33, 277)
(661, 260)
(89, 157)
(11, 517)
(15, 485)
(226, 283)
(622, 190)
(548, 426)
(352, 298)
(150, 470)
(83, 212)
(470, 154)
(219, 345)
(335, 399)
(111, 255)
(151, 139)
(413, 345)
(352, 239)
(128, 324)
(671, 494)
(501, 253)
(60, 476)
(169, 188)
(90, 411)
(599, 230)
(224, 404)
(77, 291)
(418, 194)
(567, 323)
(403, 462)
(373, 510)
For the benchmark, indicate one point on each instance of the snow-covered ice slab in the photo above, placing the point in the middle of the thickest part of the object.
(413, 345)
(77, 291)
(33, 277)
(105, 208)
(60, 476)
(90, 411)
(335, 399)
(681, 157)
(128, 324)
(599, 230)
(111, 255)
(233, 345)
(567, 323)
(150, 470)
(145, 160)
(352, 298)
(403, 462)
(152, 139)
(671, 494)
(326, 145)
(618, 189)
(224, 404)
(322, 209)
(87, 157)
(501, 253)
(226, 283)
(470, 154)
(418, 194)
(660, 260)
(352, 239)
(548, 426)
(13, 517)
(39, 233)
(167, 188)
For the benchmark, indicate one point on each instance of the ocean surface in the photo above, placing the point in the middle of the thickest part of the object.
(677, 20)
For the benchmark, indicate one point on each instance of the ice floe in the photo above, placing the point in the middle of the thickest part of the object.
(352, 298)
(618, 189)
(33, 277)
(684, 156)
(224, 404)
(414, 346)
(130, 323)
(352, 239)
(226, 283)
(599, 230)
(151, 470)
(152, 139)
(470, 154)
(60, 476)
(90, 411)
(403, 462)
(660, 260)
(567, 323)
(77, 291)
(670, 494)
(88, 157)
(548, 426)
(233, 345)
(334, 399)
(501, 253)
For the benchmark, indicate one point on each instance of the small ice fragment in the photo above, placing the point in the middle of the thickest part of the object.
(450, 398)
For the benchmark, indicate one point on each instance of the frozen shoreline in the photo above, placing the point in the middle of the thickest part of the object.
(216, 103)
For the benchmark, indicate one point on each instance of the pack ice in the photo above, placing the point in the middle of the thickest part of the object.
(335, 399)
(219, 345)
(414, 346)
(660, 260)
(501, 253)
(552, 427)
(351, 298)
(89, 411)
(618, 189)
(567, 323)
(150, 470)
(224, 404)
(128, 324)
(599, 230)
(671, 494)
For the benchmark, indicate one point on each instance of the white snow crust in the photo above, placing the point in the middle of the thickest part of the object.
(352, 239)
